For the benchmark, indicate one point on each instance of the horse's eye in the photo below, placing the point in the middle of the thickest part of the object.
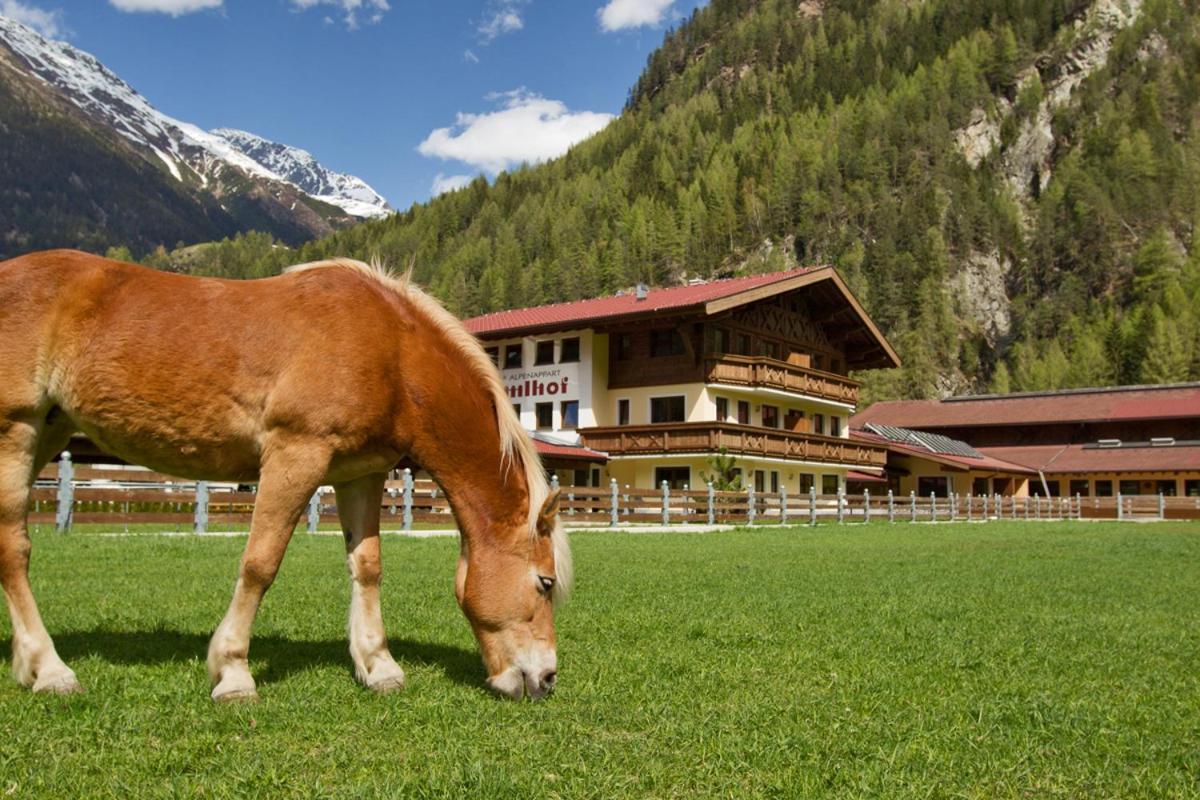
(546, 583)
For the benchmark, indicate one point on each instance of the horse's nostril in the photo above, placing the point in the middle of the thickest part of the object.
(548, 679)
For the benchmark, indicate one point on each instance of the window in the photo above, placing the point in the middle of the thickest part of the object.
(770, 417)
(722, 409)
(760, 481)
(770, 350)
(721, 340)
(517, 409)
(743, 344)
(819, 423)
(545, 416)
(623, 411)
(1035, 488)
(580, 478)
(667, 409)
(829, 484)
(835, 365)
(570, 351)
(623, 346)
(676, 477)
(512, 356)
(595, 477)
(979, 487)
(1103, 488)
(665, 343)
(937, 485)
(1165, 488)
(1080, 488)
(1130, 487)
(494, 354)
(806, 483)
(743, 412)
(544, 353)
(835, 426)
(570, 415)
(774, 482)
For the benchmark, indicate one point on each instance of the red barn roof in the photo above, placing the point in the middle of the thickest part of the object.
(1034, 408)
(987, 462)
(1077, 458)
(705, 298)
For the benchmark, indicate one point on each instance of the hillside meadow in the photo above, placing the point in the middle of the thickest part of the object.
(957, 660)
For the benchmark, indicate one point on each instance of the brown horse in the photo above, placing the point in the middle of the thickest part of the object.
(329, 374)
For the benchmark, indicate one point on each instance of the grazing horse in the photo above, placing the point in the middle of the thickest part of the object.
(328, 374)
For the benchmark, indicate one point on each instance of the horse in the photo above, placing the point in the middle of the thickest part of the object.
(329, 373)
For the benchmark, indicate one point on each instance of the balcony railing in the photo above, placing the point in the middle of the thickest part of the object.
(709, 437)
(758, 371)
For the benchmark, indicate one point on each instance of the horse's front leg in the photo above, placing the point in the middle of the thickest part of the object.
(358, 508)
(288, 479)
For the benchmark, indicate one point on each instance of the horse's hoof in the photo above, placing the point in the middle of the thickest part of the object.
(58, 684)
(388, 680)
(235, 696)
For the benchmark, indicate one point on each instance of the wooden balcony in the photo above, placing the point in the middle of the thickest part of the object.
(768, 373)
(708, 437)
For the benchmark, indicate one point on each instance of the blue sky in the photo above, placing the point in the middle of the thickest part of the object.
(369, 85)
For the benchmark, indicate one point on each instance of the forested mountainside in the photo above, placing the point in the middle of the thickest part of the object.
(1010, 186)
(85, 161)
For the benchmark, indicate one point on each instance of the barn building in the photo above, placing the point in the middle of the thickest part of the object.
(1135, 440)
(644, 387)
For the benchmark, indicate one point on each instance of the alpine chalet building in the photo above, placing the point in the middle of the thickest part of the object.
(644, 387)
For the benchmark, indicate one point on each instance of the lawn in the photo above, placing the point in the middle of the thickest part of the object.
(998, 660)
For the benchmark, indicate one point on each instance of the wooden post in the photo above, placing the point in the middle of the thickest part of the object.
(985, 508)
(841, 506)
(891, 507)
(970, 506)
(1120, 507)
(1078, 506)
(932, 507)
(812, 504)
(912, 500)
(751, 511)
(712, 504)
(314, 511)
(615, 508)
(201, 516)
(1162, 506)
(998, 507)
(571, 502)
(783, 508)
(66, 494)
(666, 504)
(407, 519)
(866, 505)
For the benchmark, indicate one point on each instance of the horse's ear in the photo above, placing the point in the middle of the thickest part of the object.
(549, 511)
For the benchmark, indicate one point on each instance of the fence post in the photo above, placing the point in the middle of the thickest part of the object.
(1078, 506)
(841, 500)
(571, 502)
(952, 502)
(751, 511)
(891, 507)
(1120, 508)
(812, 505)
(613, 487)
(783, 509)
(1162, 506)
(314, 511)
(998, 507)
(866, 505)
(554, 482)
(912, 501)
(712, 504)
(201, 519)
(407, 519)
(666, 504)
(932, 507)
(66, 494)
(985, 508)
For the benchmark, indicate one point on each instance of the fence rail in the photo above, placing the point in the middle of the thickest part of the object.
(65, 495)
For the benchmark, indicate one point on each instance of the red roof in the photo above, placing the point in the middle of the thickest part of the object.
(570, 451)
(864, 477)
(1076, 458)
(1077, 405)
(581, 312)
(987, 463)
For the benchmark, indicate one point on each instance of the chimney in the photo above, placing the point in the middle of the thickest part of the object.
(643, 291)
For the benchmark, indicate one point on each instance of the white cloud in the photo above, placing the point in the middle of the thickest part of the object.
(469, 56)
(448, 183)
(527, 128)
(354, 12)
(47, 23)
(173, 7)
(504, 16)
(618, 15)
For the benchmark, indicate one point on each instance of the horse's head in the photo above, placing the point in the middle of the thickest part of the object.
(507, 587)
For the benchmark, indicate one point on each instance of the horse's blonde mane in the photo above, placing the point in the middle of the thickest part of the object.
(515, 444)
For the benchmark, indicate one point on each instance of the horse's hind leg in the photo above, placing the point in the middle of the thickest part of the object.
(288, 479)
(358, 507)
(35, 663)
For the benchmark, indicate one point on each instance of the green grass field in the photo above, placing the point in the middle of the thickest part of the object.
(999, 660)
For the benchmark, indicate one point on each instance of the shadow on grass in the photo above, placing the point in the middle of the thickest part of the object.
(272, 658)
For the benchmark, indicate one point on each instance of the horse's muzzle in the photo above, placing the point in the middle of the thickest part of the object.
(516, 684)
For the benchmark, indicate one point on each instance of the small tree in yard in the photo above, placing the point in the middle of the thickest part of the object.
(725, 477)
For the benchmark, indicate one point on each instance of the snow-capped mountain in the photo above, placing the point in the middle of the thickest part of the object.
(300, 168)
(206, 159)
